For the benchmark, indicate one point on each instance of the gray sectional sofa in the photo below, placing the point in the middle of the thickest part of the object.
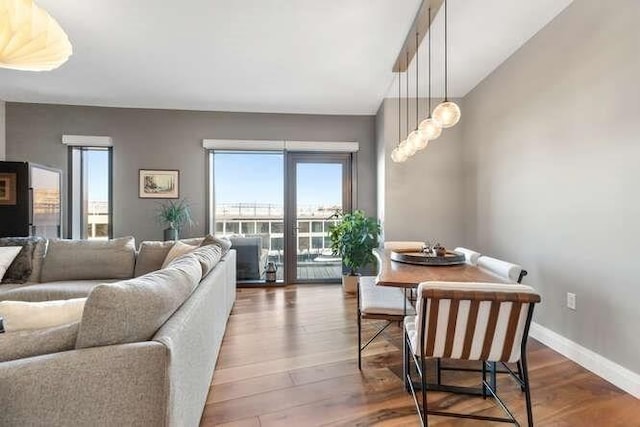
(145, 349)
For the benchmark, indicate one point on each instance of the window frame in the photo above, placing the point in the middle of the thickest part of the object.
(72, 194)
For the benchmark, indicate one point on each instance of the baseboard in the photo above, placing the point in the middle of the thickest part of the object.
(617, 375)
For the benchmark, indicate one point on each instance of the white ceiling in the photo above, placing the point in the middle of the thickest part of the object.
(280, 56)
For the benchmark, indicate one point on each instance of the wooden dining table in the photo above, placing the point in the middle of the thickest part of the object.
(402, 275)
(409, 276)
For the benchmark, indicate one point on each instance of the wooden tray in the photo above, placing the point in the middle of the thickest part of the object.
(421, 258)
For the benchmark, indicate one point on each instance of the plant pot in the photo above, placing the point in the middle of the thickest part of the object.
(170, 234)
(349, 283)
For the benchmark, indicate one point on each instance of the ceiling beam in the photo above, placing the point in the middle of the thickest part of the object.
(420, 25)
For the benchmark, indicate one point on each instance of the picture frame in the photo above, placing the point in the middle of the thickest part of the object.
(8, 189)
(159, 184)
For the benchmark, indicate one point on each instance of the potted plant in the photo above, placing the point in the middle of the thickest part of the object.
(353, 239)
(175, 214)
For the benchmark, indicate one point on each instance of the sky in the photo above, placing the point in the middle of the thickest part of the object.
(258, 178)
(98, 174)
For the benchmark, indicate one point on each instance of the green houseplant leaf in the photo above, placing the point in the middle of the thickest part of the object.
(354, 238)
(175, 214)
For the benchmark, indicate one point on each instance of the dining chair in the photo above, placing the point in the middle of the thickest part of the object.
(469, 321)
(379, 303)
(504, 269)
(470, 256)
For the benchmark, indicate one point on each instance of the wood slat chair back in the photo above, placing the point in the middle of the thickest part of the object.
(473, 321)
(470, 321)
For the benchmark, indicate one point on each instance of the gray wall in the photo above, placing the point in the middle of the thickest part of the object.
(2, 130)
(422, 199)
(551, 161)
(167, 139)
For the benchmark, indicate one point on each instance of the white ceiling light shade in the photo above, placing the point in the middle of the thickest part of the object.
(447, 113)
(30, 39)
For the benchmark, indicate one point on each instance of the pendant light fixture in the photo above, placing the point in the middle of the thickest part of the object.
(398, 155)
(447, 113)
(30, 39)
(430, 128)
(416, 139)
(407, 149)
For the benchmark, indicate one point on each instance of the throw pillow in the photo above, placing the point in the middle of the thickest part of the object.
(21, 315)
(7, 255)
(22, 266)
(21, 344)
(223, 242)
(176, 250)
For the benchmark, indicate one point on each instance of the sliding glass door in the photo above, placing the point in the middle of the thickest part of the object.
(318, 189)
(277, 208)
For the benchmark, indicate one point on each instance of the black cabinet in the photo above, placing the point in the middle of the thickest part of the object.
(30, 200)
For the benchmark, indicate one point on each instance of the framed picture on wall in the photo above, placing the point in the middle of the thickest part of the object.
(7, 188)
(159, 184)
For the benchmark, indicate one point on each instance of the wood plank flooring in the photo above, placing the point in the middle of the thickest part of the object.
(289, 358)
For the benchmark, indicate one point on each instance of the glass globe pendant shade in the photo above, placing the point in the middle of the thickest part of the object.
(405, 149)
(430, 128)
(30, 39)
(397, 156)
(423, 144)
(415, 140)
(447, 114)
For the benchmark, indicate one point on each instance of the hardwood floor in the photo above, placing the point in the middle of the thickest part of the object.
(289, 358)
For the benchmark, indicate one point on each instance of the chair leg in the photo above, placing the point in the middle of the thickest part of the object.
(527, 389)
(519, 365)
(406, 367)
(484, 379)
(438, 371)
(423, 386)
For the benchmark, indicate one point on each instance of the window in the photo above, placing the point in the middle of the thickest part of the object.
(90, 189)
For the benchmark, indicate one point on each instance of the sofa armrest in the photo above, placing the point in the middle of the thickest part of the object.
(113, 385)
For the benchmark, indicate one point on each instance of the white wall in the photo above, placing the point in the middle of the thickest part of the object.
(3, 133)
(552, 166)
(422, 199)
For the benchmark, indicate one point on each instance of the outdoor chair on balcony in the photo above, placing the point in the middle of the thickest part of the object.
(379, 303)
(469, 321)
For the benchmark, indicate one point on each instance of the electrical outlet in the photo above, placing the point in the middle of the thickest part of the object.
(571, 301)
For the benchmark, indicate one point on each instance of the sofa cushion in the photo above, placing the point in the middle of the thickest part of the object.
(133, 310)
(23, 315)
(152, 254)
(49, 291)
(38, 258)
(21, 344)
(223, 242)
(178, 249)
(89, 259)
(22, 266)
(7, 255)
(208, 257)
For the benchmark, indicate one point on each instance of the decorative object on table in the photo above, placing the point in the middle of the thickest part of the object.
(30, 200)
(7, 188)
(439, 250)
(175, 214)
(353, 239)
(270, 273)
(428, 257)
(159, 184)
(30, 38)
